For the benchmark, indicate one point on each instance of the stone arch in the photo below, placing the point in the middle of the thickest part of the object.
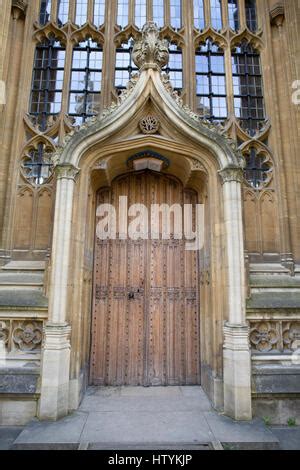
(92, 156)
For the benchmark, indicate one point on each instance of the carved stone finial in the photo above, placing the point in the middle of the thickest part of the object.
(150, 51)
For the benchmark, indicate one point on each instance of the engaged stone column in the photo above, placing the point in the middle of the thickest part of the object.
(56, 349)
(236, 349)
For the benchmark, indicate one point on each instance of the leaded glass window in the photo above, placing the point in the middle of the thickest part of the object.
(124, 64)
(251, 14)
(175, 14)
(174, 67)
(62, 12)
(233, 14)
(81, 12)
(159, 13)
(199, 18)
(248, 87)
(216, 14)
(45, 11)
(211, 82)
(123, 7)
(140, 13)
(99, 12)
(86, 78)
(47, 81)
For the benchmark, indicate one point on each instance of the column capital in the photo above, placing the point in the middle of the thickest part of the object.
(236, 337)
(19, 8)
(277, 14)
(57, 336)
(66, 171)
(232, 173)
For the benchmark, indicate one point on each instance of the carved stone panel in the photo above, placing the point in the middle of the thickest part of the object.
(27, 335)
(279, 336)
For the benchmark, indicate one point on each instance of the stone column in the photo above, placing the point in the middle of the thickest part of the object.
(56, 348)
(236, 349)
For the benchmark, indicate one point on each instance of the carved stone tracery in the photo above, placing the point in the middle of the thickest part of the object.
(274, 335)
(149, 124)
(27, 336)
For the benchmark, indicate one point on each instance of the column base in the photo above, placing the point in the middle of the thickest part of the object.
(237, 372)
(55, 371)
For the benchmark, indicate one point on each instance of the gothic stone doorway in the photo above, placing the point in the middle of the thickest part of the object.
(145, 326)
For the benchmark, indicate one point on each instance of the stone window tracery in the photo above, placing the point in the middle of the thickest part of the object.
(37, 166)
(258, 170)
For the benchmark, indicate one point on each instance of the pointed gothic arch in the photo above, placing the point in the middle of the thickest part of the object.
(92, 156)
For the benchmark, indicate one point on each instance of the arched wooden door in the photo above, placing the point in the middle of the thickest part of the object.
(145, 326)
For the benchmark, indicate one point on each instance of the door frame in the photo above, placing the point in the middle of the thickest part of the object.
(183, 190)
(95, 154)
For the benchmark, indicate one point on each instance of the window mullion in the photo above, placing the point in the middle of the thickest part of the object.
(67, 78)
(54, 7)
(207, 13)
(242, 14)
(131, 12)
(149, 10)
(72, 11)
(90, 11)
(229, 81)
(210, 89)
(224, 12)
(167, 13)
(86, 79)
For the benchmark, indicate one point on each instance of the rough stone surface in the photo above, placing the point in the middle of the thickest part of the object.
(275, 379)
(13, 298)
(8, 435)
(18, 381)
(271, 300)
(138, 418)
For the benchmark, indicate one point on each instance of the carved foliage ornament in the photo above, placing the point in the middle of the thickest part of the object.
(150, 49)
(264, 336)
(149, 124)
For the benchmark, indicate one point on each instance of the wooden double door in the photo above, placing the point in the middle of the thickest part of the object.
(145, 324)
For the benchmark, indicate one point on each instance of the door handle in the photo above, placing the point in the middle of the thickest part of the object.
(131, 295)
